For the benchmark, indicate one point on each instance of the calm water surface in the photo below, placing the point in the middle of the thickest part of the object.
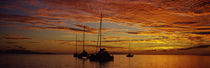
(120, 61)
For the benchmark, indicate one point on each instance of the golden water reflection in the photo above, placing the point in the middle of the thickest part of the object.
(120, 61)
(163, 61)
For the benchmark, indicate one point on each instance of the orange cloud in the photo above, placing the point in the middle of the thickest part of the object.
(15, 37)
(162, 21)
(29, 20)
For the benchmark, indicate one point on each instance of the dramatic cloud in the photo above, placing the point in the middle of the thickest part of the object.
(147, 22)
(101, 46)
(144, 32)
(34, 42)
(187, 23)
(11, 42)
(61, 28)
(196, 47)
(203, 28)
(11, 18)
(15, 37)
(201, 33)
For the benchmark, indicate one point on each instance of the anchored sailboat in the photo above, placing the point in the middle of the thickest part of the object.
(102, 55)
(83, 54)
(129, 54)
(76, 54)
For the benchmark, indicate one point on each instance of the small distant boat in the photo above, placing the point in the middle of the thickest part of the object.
(83, 54)
(76, 54)
(129, 54)
(102, 55)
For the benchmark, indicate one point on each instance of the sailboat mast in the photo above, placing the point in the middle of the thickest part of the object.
(129, 47)
(97, 42)
(84, 39)
(76, 42)
(100, 30)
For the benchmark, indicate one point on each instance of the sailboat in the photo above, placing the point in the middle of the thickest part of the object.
(76, 54)
(83, 54)
(102, 55)
(129, 54)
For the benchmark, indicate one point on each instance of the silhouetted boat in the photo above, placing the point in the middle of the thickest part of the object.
(76, 54)
(83, 54)
(102, 55)
(129, 54)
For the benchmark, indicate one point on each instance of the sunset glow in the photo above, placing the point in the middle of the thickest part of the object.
(150, 26)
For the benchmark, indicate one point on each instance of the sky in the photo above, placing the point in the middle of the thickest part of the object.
(149, 26)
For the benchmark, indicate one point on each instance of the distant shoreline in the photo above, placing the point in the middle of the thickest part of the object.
(34, 52)
(72, 54)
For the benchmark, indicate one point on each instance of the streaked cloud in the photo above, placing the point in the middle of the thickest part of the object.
(147, 22)
(204, 33)
(15, 37)
(11, 42)
(196, 47)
